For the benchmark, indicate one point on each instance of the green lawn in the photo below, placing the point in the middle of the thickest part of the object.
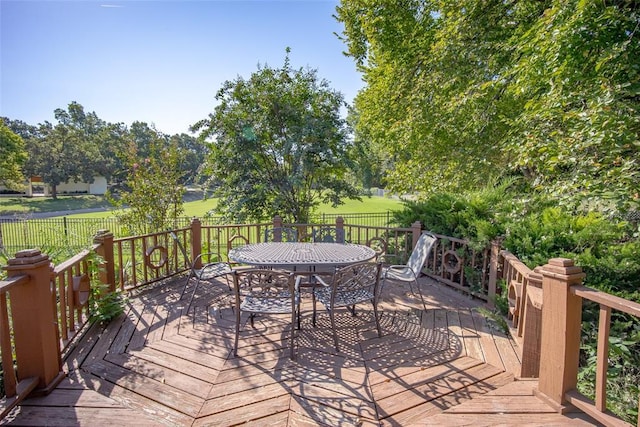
(26, 205)
(199, 208)
(196, 208)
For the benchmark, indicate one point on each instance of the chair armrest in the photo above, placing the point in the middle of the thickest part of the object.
(397, 267)
(209, 255)
(318, 277)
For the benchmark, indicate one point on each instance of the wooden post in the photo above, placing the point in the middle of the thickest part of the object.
(340, 237)
(35, 326)
(196, 242)
(277, 229)
(105, 251)
(560, 340)
(277, 221)
(532, 326)
(494, 262)
(416, 231)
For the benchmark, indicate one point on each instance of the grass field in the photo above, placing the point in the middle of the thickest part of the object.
(197, 208)
(74, 231)
(194, 208)
(27, 205)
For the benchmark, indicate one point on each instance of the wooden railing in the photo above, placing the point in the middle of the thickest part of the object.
(454, 262)
(598, 408)
(71, 288)
(524, 296)
(29, 319)
(47, 306)
(562, 293)
(15, 390)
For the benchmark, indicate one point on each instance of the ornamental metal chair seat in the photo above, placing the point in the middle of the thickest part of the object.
(350, 285)
(410, 271)
(214, 268)
(260, 291)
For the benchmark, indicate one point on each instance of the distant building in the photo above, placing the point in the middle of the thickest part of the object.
(36, 187)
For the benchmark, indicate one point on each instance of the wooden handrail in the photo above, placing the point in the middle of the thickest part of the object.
(603, 298)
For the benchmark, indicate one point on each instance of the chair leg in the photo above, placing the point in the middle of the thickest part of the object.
(235, 346)
(186, 284)
(377, 319)
(424, 305)
(193, 294)
(313, 318)
(333, 328)
(291, 345)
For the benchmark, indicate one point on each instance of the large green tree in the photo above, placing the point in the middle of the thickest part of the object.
(12, 157)
(68, 150)
(459, 91)
(278, 145)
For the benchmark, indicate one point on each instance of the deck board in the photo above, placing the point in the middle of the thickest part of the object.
(163, 363)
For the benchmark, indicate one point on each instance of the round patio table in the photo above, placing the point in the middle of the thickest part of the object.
(292, 255)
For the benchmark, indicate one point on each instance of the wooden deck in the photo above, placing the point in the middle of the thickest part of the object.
(167, 364)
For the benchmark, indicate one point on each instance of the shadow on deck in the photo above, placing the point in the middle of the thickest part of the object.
(163, 363)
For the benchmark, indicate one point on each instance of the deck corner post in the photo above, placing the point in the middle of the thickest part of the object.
(196, 241)
(277, 222)
(107, 268)
(561, 326)
(35, 325)
(416, 230)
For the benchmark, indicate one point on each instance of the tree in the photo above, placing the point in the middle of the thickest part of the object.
(278, 145)
(194, 155)
(458, 92)
(12, 157)
(151, 199)
(68, 150)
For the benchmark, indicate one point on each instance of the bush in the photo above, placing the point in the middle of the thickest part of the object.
(535, 229)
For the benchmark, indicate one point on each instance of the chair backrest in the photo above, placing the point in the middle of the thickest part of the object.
(379, 245)
(328, 235)
(362, 276)
(280, 234)
(237, 240)
(420, 252)
(265, 285)
(181, 247)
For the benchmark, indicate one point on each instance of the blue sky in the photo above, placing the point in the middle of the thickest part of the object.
(156, 61)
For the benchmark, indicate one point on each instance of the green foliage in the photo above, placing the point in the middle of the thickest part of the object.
(277, 146)
(67, 151)
(475, 215)
(535, 229)
(152, 198)
(460, 92)
(105, 306)
(12, 157)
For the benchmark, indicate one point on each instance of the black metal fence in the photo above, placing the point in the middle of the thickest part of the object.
(74, 234)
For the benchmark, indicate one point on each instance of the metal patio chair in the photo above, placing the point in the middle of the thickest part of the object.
(410, 271)
(260, 291)
(350, 285)
(214, 268)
